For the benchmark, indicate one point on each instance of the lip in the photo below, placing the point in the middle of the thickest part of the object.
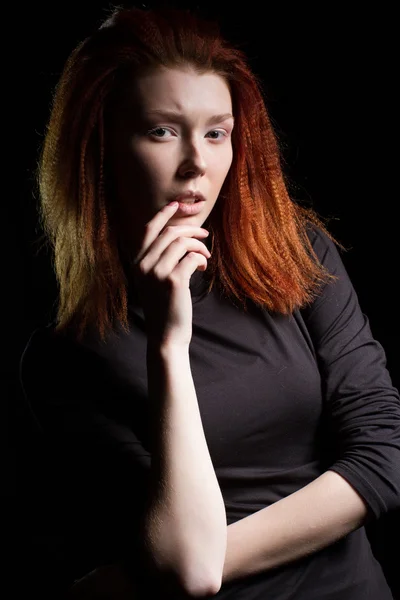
(187, 210)
(188, 194)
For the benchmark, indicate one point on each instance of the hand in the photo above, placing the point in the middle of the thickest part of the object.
(162, 273)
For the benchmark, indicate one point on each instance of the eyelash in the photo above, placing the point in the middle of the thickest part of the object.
(151, 132)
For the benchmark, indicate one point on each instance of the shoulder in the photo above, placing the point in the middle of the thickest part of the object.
(45, 343)
(50, 359)
(319, 240)
(326, 250)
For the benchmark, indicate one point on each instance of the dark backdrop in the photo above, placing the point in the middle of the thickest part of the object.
(329, 78)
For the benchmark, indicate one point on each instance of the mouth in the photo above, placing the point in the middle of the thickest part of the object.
(188, 198)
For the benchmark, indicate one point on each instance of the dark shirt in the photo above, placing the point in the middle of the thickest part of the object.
(282, 399)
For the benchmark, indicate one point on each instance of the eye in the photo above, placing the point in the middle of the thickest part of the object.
(223, 133)
(158, 133)
(157, 129)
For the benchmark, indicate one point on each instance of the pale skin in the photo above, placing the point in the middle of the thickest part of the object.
(189, 520)
(308, 520)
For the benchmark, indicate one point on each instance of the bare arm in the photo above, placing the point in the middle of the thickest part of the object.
(185, 526)
(308, 520)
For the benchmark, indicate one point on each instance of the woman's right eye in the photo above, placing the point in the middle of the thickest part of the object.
(157, 129)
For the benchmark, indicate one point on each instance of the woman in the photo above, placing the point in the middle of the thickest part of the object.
(220, 417)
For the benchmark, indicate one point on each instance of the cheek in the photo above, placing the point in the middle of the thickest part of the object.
(223, 165)
(152, 163)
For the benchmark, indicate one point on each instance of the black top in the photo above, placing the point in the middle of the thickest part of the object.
(282, 399)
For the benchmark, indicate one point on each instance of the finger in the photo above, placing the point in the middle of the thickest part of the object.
(174, 253)
(188, 265)
(155, 226)
(169, 238)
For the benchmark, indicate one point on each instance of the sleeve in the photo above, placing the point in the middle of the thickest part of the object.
(362, 406)
(95, 480)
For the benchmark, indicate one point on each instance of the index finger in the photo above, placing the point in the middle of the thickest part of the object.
(164, 214)
(159, 221)
(155, 226)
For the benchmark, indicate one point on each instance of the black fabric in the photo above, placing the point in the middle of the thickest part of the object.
(282, 399)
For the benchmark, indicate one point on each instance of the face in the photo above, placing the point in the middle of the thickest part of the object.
(170, 133)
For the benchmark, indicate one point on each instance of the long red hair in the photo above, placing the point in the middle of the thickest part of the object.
(260, 248)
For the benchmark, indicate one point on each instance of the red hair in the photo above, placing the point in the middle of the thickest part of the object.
(260, 248)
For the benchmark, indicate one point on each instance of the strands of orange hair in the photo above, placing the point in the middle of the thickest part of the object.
(259, 243)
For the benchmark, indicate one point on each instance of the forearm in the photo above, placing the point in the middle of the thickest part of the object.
(308, 520)
(185, 527)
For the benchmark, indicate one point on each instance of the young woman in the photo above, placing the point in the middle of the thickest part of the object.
(219, 417)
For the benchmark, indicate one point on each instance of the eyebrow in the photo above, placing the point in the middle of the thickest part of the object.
(173, 114)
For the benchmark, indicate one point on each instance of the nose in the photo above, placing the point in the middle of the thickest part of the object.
(193, 163)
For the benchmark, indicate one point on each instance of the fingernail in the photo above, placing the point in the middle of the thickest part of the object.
(206, 232)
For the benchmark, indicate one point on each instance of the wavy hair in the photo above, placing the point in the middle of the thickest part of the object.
(259, 243)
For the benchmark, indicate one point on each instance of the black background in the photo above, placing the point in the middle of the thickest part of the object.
(329, 74)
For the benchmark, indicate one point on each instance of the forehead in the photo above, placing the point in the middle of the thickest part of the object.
(179, 89)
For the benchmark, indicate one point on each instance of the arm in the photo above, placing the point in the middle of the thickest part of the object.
(185, 526)
(108, 479)
(319, 514)
(362, 411)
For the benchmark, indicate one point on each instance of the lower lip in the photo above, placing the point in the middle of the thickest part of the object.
(187, 210)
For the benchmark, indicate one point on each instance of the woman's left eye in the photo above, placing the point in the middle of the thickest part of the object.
(218, 131)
